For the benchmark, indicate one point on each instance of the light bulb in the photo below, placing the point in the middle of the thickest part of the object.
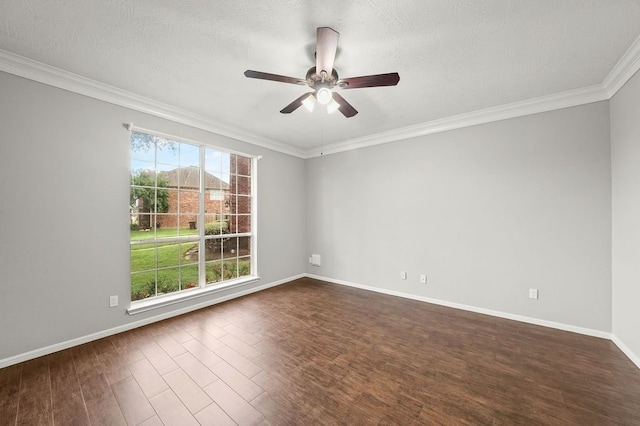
(309, 102)
(332, 106)
(324, 96)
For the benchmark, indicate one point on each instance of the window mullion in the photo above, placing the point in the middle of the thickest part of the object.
(254, 208)
(202, 272)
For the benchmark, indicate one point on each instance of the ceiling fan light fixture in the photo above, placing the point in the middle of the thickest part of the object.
(332, 106)
(309, 102)
(324, 96)
(323, 78)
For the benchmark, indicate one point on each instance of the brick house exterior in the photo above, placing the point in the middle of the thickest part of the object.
(183, 185)
(240, 198)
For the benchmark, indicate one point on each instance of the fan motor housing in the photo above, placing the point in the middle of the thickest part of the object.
(313, 78)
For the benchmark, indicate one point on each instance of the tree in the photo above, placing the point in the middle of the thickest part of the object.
(143, 142)
(146, 197)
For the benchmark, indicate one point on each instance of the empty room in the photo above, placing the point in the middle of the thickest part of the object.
(297, 213)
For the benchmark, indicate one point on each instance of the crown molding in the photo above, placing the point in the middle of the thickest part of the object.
(56, 77)
(623, 70)
(556, 101)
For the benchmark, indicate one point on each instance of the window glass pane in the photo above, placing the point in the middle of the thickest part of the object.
(213, 272)
(189, 277)
(211, 181)
(213, 249)
(168, 281)
(167, 197)
(168, 254)
(242, 164)
(143, 285)
(187, 201)
(231, 204)
(142, 147)
(166, 225)
(146, 199)
(186, 178)
(216, 194)
(189, 254)
(216, 162)
(188, 224)
(217, 227)
(243, 204)
(214, 217)
(167, 153)
(219, 207)
(243, 185)
(230, 269)
(189, 155)
(244, 246)
(244, 266)
(225, 178)
(138, 167)
(143, 257)
(233, 223)
(139, 234)
(230, 248)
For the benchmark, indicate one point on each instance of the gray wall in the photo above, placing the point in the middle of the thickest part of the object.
(487, 212)
(64, 173)
(625, 159)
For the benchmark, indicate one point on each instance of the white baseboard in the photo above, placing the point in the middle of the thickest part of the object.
(16, 359)
(551, 324)
(536, 321)
(6, 362)
(625, 349)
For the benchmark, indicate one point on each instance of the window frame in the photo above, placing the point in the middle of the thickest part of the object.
(203, 288)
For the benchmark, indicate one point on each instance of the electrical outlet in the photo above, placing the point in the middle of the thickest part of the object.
(423, 279)
(315, 260)
(403, 275)
(113, 301)
(533, 293)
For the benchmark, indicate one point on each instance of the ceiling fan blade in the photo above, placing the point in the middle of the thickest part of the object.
(273, 77)
(295, 104)
(389, 79)
(345, 107)
(326, 47)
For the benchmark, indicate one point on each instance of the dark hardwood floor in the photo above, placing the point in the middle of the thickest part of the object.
(308, 353)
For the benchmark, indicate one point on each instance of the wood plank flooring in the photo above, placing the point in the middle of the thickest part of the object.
(313, 353)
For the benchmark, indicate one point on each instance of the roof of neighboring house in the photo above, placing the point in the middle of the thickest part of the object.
(188, 177)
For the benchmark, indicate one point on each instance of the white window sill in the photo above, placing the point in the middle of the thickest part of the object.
(149, 304)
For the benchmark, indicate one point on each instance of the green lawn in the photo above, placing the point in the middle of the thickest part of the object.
(162, 233)
(163, 255)
(175, 272)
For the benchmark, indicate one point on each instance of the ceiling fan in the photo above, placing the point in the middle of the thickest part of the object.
(323, 78)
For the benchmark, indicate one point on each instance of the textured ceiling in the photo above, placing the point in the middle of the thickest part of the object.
(453, 56)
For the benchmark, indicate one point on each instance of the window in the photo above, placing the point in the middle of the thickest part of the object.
(216, 195)
(191, 217)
